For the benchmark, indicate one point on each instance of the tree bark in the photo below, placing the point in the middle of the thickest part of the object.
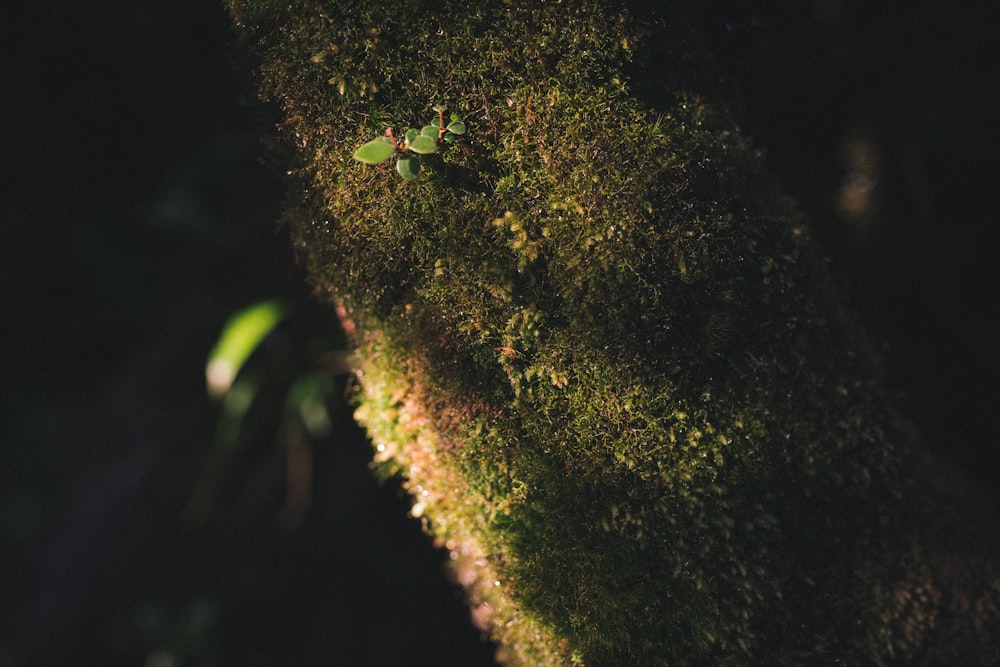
(603, 350)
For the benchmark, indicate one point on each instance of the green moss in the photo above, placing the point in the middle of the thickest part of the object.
(602, 348)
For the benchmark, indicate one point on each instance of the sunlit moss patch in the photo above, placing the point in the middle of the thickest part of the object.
(601, 347)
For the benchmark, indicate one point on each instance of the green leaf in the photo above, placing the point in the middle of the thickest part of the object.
(430, 131)
(239, 338)
(375, 151)
(408, 166)
(411, 135)
(455, 116)
(308, 398)
(457, 127)
(440, 108)
(423, 145)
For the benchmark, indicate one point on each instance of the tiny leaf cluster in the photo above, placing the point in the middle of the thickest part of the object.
(414, 144)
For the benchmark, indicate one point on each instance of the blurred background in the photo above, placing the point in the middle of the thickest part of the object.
(143, 522)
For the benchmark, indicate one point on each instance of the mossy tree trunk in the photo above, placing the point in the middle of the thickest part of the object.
(603, 350)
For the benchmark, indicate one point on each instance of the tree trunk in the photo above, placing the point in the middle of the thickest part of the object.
(602, 349)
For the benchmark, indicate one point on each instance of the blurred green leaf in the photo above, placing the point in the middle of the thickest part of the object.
(239, 338)
(307, 399)
(375, 151)
(423, 145)
(408, 166)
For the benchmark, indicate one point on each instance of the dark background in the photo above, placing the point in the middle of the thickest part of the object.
(138, 211)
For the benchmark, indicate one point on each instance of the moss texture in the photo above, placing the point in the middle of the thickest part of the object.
(603, 350)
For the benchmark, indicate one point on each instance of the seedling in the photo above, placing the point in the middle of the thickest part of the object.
(413, 144)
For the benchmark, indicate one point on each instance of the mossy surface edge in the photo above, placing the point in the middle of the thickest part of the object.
(603, 350)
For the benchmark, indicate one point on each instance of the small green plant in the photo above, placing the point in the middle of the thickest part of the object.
(414, 144)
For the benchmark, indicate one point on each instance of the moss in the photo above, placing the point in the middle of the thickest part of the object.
(602, 348)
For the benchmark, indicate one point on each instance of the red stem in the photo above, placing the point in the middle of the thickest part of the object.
(388, 133)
